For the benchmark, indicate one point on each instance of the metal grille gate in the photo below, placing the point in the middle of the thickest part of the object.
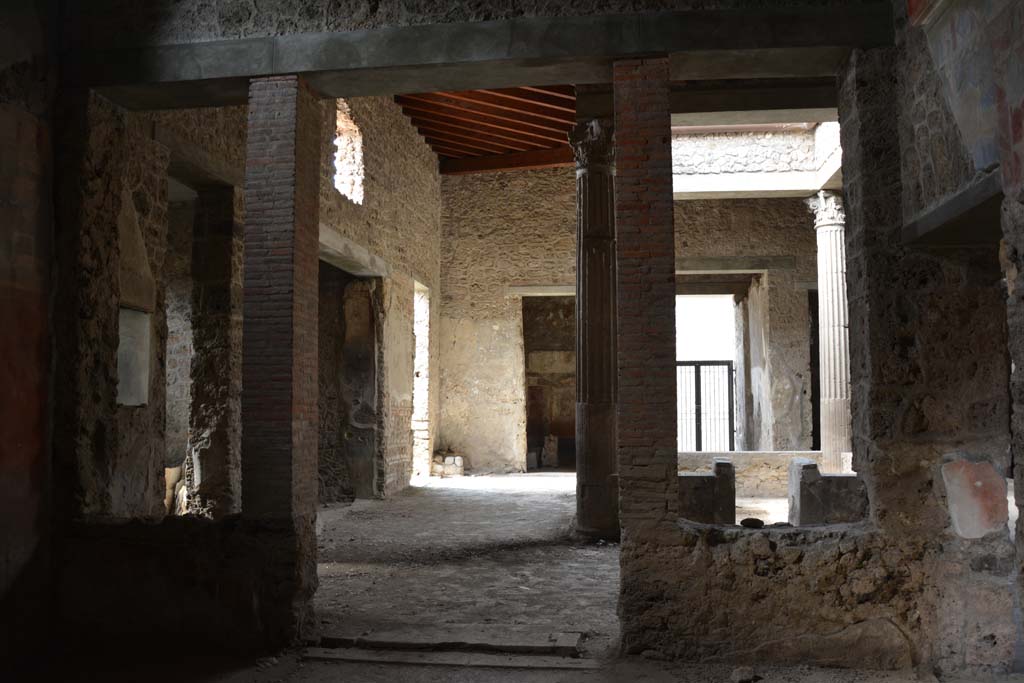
(705, 405)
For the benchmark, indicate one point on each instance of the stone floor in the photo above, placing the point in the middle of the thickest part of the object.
(472, 550)
(468, 550)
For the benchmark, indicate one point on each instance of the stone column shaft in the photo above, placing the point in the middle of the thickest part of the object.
(597, 503)
(833, 331)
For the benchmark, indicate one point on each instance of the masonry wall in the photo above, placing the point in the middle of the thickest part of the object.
(500, 230)
(549, 341)
(399, 222)
(111, 457)
(164, 22)
(929, 376)
(779, 323)
(181, 216)
(518, 228)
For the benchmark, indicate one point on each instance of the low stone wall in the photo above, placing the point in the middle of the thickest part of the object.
(759, 474)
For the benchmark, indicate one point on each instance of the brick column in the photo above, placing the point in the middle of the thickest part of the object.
(279, 342)
(214, 470)
(645, 249)
(833, 331)
(597, 486)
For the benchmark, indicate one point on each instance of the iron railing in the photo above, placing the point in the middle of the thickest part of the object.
(705, 405)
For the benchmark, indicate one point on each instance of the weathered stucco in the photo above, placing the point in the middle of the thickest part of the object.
(517, 228)
(777, 356)
(767, 152)
(399, 223)
(500, 230)
(549, 341)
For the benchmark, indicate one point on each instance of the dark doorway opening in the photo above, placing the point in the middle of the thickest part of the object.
(348, 403)
(812, 309)
(549, 346)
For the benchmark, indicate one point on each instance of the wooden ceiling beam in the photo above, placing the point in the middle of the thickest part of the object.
(542, 158)
(456, 146)
(566, 92)
(541, 99)
(469, 144)
(428, 110)
(442, 151)
(464, 107)
(508, 143)
(516, 106)
(512, 137)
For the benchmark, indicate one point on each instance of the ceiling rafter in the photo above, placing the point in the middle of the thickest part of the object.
(478, 131)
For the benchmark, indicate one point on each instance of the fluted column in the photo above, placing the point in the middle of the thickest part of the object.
(833, 330)
(597, 499)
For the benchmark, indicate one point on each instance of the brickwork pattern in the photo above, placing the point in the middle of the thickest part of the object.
(279, 410)
(645, 236)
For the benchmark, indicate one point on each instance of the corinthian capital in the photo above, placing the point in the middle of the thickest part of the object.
(827, 208)
(592, 143)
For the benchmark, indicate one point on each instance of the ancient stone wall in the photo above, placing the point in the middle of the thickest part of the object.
(27, 79)
(399, 222)
(935, 163)
(780, 365)
(178, 270)
(764, 152)
(335, 482)
(166, 23)
(929, 378)
(500, 230)
(112, 458)
(549, 341)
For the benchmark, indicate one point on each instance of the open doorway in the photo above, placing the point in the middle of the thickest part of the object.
(421, 443)
(549, 348)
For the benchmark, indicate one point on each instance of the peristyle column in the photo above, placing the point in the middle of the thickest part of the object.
(597, 499)
(833, 331)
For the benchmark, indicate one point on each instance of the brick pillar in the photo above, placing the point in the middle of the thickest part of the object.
(597, 486)
(215, 415)
(645, 249)
(279, 342)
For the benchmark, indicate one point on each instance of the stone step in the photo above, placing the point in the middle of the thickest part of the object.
(462, 659)
(462, 638)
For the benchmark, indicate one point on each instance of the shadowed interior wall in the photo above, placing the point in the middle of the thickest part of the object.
(399, 222)
(549, 340)
(500, 230)
(349, 440)
(27, 73)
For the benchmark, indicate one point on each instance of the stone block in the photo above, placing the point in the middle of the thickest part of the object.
(709, 498)
(532, 460)
(815, 498)
(549, 456)
(976, 497)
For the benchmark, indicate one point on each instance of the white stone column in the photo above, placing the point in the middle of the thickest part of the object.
(833, 332)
